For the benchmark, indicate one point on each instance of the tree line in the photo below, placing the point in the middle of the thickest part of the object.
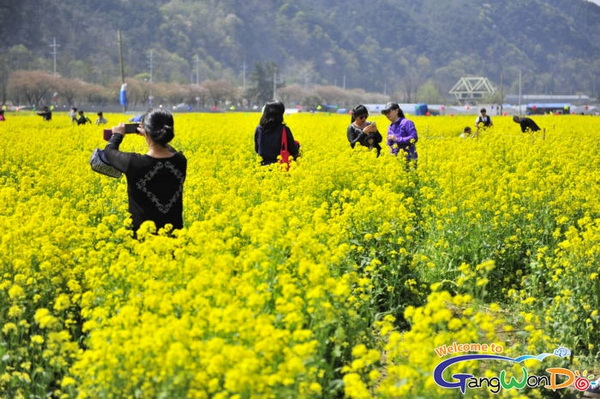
(38, 88)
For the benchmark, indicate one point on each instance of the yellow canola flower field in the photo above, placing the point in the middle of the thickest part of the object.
(338, 278)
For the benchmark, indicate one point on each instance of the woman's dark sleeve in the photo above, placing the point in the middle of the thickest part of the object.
(256, 143)
(118, 159)
(352, 136)
(293, 147)
(355, 135)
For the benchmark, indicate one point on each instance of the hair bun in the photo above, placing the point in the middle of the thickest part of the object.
(165, 134)
(158, 123)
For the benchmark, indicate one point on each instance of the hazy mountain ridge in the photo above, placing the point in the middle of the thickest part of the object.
(384, 45)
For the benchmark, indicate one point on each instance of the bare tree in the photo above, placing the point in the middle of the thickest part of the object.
(33, 86)
(69, 89)
(199, 94)
(219, 90)
(331, 94)
(293, 94)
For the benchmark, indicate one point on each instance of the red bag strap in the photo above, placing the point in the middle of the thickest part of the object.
(284, 143)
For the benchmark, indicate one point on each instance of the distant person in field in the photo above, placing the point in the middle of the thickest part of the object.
(155, 179)
(483, 121)
(2, 118)
(82, 119)
(363, 132)
(268, 134)
(402, 133)
(73, 114)
(101, 120)
(466, 133)
(527, 124)
(46, 114)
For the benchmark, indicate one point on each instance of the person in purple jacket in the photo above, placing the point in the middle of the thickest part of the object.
(402, 133)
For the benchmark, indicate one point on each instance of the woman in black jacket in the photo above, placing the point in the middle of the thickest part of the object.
(268, 134)
(155, 179)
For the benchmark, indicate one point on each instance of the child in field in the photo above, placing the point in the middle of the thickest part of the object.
(46, 114)
(82, 119)
(101, 119)
(73, 114)
(466, 133)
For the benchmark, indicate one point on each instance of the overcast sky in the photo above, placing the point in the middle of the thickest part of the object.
(595, 1)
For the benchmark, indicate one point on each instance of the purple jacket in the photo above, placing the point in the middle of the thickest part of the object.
(404, 131)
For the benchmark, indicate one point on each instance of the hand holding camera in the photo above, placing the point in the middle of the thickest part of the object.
(131, 128)
(123, 128)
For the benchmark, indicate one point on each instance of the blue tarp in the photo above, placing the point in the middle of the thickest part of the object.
(421, 109)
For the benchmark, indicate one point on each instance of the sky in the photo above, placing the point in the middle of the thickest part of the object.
(595, 1)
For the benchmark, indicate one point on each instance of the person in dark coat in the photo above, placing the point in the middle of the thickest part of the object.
(527, 124)
(154, 179)
(268, 134)
(46, 114)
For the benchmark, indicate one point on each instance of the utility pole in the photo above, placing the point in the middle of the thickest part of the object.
(244, 74)
(502, 92)
(54, 52)
(274, 84)
(123, 93)
(121, 56)
(197, 68)
(150, 96)
(519, 92)
(151, 64)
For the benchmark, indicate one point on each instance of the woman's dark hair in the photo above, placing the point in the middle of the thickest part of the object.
(357, 111)
(401, 114)
(272, 114)
(159, 124)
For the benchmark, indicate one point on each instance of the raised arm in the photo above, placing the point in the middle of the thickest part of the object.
(116, 158)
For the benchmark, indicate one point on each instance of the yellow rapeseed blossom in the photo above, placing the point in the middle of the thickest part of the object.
(339, 277)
